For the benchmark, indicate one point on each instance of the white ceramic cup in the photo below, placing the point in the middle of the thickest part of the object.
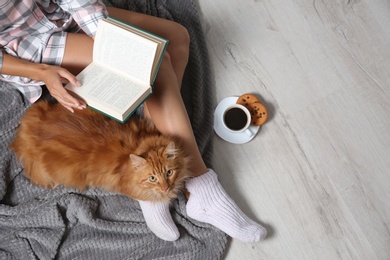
(237, 119)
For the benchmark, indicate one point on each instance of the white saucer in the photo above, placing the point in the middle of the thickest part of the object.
(235, 138)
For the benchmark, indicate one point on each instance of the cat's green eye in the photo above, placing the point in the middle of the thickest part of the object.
(169, 172)
(152, 178)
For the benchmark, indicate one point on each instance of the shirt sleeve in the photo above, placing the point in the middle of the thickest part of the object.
(86, 13)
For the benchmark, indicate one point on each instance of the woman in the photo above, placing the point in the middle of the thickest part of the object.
(48, 42)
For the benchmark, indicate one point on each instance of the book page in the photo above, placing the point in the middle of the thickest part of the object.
(124, 51)
(102, 88)
(161, 42)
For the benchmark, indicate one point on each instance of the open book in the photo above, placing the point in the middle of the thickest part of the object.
(125, 64)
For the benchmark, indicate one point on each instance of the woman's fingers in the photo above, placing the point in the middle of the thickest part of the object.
(55, 76)
(69, 76)
(69, 102)
(66, 76)
(69, 108)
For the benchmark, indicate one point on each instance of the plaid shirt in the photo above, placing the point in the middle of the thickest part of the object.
(35, 30)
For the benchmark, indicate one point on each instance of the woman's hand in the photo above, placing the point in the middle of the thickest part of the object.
(54, 77)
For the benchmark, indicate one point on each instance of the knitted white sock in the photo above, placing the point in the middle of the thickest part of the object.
(159, 220)
(209, 203)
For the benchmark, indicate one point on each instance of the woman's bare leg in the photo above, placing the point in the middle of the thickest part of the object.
(78, 52)
(165, 107)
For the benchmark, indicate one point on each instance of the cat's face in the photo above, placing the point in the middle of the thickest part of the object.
(162, 172)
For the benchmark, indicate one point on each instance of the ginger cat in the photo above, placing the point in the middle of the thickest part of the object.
(88, 149)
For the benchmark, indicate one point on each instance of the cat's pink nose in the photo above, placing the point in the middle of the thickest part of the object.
(165, 188)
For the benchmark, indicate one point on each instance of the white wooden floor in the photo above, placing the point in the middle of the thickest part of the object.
(317, 174)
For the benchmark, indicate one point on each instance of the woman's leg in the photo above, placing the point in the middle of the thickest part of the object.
(208, 201)
(78, 52)
(165, 107)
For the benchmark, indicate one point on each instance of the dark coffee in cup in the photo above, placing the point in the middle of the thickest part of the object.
(235, 118)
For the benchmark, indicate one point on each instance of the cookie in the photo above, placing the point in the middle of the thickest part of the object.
(247, 99)
(257, 110)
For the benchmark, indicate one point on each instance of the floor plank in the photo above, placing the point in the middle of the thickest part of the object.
(317, 173)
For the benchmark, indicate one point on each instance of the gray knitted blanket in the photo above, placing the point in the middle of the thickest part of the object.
(62, 223)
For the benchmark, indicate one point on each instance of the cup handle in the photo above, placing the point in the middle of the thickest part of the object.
(249, 132)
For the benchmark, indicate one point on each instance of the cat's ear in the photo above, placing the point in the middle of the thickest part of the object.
(171, 151)
(137, 161)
